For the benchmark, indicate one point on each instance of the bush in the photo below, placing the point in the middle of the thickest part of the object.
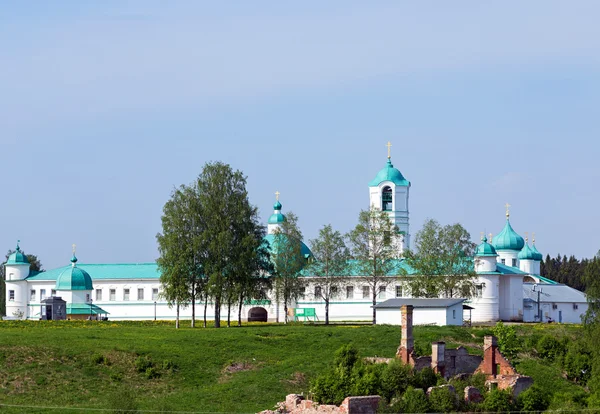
(330, 387)
(549, 348)
(578, 365)
(533, 399)
(507, 340)
(395, 379)
(142, 363)
(152, 373)
(414, 400)
(345, 357)
(366, 379)
(498, 401)
(424, 378)
(443, 400)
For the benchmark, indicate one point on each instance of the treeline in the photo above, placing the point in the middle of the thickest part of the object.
(568, 270)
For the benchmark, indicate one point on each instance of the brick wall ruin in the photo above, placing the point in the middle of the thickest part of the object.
(296, 404)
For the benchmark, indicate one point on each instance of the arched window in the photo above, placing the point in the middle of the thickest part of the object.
(386, 199)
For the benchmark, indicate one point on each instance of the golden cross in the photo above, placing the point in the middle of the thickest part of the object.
(74, 248)
(533, 238)
(526, 236)
(277, 195)
(507, 210)
(490, 238)
(389, 147)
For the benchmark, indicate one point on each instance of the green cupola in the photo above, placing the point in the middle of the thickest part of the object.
(526, 253)
(276, 217)
(485, 249)
(18, 257)
(536, 254)
(74, 278)
(389, 173)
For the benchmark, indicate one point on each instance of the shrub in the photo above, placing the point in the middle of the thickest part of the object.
(498, 401)
(578, 365)
(366, 379)
(533, 399)
(330, 387)
(425, 378)
(152, 373)
(414, 400)
(443, 400)
(395, 379)
(142, 363)
(507, 340)
(549, 348)
(345, 357)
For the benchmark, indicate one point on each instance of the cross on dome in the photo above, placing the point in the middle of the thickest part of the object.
(277, 195)
(507, 210)
(389, 147)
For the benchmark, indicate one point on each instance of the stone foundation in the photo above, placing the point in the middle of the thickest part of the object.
(296, 404)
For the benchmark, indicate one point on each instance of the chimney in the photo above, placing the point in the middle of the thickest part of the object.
(490, 345)
(438, 358)
(407, 343)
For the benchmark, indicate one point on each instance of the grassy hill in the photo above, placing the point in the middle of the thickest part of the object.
(106, 364)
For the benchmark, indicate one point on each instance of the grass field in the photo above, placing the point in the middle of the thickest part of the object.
(88, 364)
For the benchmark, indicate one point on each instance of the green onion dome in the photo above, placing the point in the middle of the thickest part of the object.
(485, 249)
(389, 173)
(277, 205)
(74, 278)
(508, 239)
(18, 257)
(276, 217)
(536, 254)
(273, 241)
(526, 253)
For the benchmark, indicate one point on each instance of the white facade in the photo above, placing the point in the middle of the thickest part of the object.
(452, 315)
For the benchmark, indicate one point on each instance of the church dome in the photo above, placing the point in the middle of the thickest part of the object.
(536, 254)
(17, 257)
(485, 249)
(526, 253)
(271, 239)
(74, 278)
(508, 239)
(389, 173)
(276, 217)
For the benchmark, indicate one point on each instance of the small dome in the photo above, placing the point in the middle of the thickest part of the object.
(17, 257)
(536, 254)
(508, 239)
(389, 173)
(270, 238)
(526, 253)
(74, 278)
(485, 249)
(277, 205)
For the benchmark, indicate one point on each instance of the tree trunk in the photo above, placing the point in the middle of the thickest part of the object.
(193, 306)
(240, 309)
(374, 303)
(229, 313)
(327, 311)
(177, 317)
(217, 312)
(205, 306)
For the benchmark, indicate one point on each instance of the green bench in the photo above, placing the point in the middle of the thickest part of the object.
(306, 313)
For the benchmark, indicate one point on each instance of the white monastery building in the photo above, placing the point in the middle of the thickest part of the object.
(509, 286)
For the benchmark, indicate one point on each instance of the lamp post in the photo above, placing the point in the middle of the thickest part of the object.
(154, 310)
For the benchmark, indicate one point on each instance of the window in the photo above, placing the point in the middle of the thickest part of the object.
(11, 295)
(125, 294)
(479, 290)
(98, 295)
(140, 293)
(453, 313)
(349, 292)
(334, 292)
(302, 293)
(53, 292)
(42, 294)
(514, 262)
(154, 293)
(452, 362)
(112, 294)
(386, 199)
(503, 261)
(575, 306)
(398, 291)
(32, 295)
(381, 294)
(554, 306)
(317, 291)
(366, 292)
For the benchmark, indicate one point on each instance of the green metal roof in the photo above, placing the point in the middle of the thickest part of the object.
(276, 218)
(485, 249)
(84, 309)
(17, 257)
(508, 239)
(105, 271)
(74, 279)
(526, 253)
(537, 255)
(389, 173)
(270, 238)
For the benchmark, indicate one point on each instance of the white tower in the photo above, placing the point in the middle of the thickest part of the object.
(389, 191)
(486, 302)
(16, 271)
(276, 218)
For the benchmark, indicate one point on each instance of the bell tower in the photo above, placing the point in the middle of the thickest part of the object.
(389, 191)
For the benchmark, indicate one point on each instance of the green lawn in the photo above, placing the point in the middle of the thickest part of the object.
(248, 369)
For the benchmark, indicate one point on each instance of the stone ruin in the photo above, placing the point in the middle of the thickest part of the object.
(296, 404)
(450, 362)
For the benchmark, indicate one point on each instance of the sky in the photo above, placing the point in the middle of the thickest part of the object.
(106, 106)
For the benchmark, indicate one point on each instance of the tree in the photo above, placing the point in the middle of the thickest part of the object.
(374, 247)
(441, 262)
(592, 278)
(288, 261)
(35, 265)
(330, 259)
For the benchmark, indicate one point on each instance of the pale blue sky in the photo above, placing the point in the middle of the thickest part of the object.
(105, 106)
